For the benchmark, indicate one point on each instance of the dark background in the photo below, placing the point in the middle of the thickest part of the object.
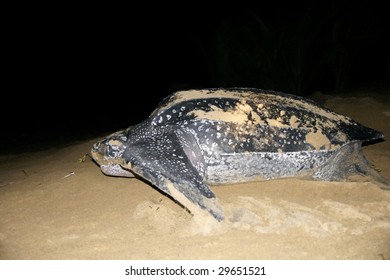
(73, 72)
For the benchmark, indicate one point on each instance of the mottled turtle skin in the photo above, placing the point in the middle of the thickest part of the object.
(198, 138)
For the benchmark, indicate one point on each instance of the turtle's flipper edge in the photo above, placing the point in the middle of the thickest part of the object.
(185, 193)
(172, 172)
(194, 201)
(350, 161)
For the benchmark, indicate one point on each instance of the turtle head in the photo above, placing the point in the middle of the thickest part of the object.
(108, 152)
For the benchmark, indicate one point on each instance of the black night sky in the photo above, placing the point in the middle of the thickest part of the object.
(74, 72)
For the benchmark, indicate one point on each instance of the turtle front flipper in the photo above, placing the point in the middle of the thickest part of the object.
(165, 161)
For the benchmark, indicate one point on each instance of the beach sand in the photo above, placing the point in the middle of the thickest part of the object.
(57, 204)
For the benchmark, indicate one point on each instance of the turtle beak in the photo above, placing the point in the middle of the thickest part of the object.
(108, 155)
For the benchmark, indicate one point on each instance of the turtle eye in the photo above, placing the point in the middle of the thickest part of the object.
(110, 151)
(114, 150)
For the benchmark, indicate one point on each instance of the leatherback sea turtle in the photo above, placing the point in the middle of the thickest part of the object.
(197, 138)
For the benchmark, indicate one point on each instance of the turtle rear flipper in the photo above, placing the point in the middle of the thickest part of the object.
(348, 161)
(163, 162)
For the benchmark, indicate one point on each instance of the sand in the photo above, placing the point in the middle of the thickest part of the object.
(56, 204)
